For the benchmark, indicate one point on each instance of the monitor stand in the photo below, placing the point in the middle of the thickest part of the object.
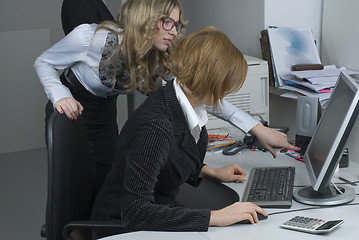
(309, 196)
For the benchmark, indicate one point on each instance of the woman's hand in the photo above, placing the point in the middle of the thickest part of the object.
(234, 213)
(271, 139)
(70, 107)
(230, 173)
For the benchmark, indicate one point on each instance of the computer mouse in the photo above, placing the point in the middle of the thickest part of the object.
(260, 217)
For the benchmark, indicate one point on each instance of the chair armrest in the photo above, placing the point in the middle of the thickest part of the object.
(68, 232)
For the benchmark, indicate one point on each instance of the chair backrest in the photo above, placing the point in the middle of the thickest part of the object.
(71, 175)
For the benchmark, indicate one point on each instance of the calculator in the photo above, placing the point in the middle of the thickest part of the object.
(311, 225)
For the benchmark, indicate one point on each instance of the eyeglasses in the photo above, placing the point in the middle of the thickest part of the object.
(169, 23)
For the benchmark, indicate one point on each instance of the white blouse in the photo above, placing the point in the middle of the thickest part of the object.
(196, 117)
(81, 50)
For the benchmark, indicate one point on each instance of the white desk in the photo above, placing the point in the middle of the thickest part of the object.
(269, 229)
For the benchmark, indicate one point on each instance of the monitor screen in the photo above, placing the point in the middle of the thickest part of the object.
(328, 141)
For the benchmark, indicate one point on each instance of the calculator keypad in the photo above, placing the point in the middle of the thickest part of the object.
(304, 222)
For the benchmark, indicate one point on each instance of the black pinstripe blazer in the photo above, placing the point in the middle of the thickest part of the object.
(156, 154)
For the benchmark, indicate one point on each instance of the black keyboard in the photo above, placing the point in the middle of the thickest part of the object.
(270, 187)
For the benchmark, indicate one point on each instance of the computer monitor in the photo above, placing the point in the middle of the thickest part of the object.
(327, 144)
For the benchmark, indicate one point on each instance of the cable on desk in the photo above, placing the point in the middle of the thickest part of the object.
(301, 186)
(347, 181)
(336, 188)
(294, 210)
(311, 208)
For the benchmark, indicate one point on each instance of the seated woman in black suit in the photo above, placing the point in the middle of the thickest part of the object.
(163, 144)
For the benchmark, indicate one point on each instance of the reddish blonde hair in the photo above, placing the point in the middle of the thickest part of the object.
(209, 65)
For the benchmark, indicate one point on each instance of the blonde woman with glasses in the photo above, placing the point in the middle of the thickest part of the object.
(99, 62)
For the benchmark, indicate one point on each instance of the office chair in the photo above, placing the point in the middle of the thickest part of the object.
(71, 178)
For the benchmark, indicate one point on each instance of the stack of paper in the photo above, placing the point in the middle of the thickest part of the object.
(292, 46)
(314, 83)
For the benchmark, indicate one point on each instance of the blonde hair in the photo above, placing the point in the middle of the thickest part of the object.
(137, 22)
(209, 65)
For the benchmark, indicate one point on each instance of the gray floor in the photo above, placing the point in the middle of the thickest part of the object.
(23, 183)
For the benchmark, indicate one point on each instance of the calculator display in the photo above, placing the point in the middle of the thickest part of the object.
(329, 225)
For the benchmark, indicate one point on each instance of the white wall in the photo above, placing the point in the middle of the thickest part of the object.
(340, 44)
(114, 6)
(26, 29)
(296, 14)
(340, 47)
(241, 20)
